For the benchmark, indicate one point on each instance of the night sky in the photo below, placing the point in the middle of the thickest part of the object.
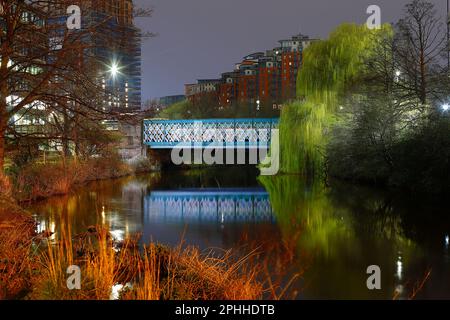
(203, 38)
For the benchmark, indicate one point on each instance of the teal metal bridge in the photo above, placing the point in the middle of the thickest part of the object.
(207, 133)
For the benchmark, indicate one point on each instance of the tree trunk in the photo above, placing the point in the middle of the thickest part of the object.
(2, 150)
(65, 135)
(4, 93)
(3, 127)
(76, 142)
(423, 83)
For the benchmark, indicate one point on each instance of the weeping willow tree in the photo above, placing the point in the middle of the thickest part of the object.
(331, 68)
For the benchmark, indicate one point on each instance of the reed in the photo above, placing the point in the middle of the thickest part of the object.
(16, 249)
(153, 273)
(149, 286)
(15, 265)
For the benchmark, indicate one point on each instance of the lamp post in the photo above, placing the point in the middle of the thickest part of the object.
(448, 35)
(114, 70)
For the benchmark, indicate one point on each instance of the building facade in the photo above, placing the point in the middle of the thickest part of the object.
(204, 88)
(263, 77)
(118, 50)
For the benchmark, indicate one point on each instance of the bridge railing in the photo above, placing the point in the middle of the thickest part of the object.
(236, 133)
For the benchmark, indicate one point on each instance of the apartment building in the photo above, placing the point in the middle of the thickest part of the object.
(261, 77)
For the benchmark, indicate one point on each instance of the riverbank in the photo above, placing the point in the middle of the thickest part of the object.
(37, 181)
(33, 266)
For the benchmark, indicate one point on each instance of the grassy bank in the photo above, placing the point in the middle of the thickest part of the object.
(34, 267)
(154, 273)
(37, 180)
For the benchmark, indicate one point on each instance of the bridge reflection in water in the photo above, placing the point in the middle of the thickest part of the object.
(209, 205)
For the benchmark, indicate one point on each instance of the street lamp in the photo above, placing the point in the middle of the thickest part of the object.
(114, 69)
(445, 107)
(398, 73)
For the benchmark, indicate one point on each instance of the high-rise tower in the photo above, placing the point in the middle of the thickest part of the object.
(114, 43)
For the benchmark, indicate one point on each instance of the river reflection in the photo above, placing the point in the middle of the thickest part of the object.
(329, 236)
(208, 205)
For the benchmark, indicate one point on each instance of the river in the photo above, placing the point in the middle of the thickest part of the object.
(321, 238)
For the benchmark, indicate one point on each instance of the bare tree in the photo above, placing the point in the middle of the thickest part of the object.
(51, 73)
(420, 44)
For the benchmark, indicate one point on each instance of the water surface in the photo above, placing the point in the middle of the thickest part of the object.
(328, 236)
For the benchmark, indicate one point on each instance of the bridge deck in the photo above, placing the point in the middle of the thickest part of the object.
(204, 133)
